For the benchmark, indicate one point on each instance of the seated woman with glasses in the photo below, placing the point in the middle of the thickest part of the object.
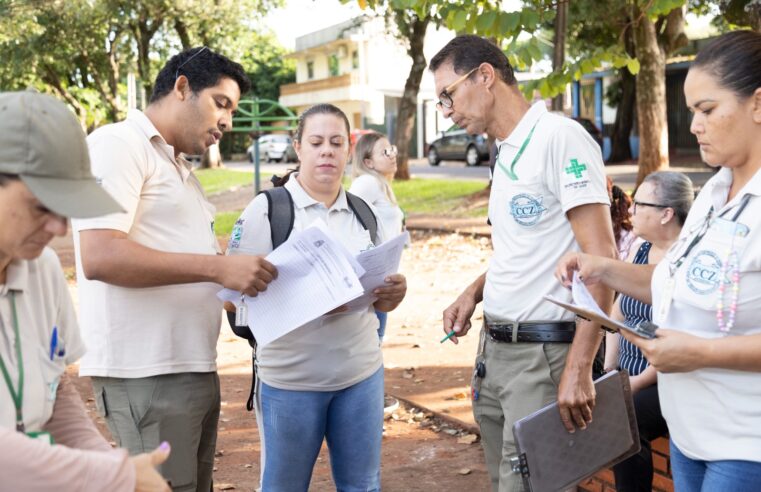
(373, 168)
(658, 211)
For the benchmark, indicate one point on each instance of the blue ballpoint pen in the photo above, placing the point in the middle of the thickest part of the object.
(53, 342)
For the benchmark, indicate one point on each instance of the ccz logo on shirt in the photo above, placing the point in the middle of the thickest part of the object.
(526, 209)
(703, 275)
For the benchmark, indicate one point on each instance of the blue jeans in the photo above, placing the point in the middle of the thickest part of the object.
(713, 476)
(295, 423)
(382, 318)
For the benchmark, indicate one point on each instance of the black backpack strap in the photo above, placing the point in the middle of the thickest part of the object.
(365, 216)
(280, 213)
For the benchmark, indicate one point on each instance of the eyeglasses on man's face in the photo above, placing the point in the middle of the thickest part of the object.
(390, 151)
(445, 98)
(645, 204)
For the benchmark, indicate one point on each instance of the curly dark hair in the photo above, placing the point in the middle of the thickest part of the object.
(619, 210)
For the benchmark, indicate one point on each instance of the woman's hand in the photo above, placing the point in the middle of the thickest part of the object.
(390, 296)
(147, 479)
(671, 351)
(591, 268)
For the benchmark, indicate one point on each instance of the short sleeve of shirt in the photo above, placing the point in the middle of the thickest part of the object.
(121, 171)
(251, 232)
(367, 188)
(575, 172)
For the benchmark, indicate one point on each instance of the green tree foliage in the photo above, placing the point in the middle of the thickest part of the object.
(82, 50)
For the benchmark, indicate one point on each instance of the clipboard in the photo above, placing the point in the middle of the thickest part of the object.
(551, 459)
(644, 329)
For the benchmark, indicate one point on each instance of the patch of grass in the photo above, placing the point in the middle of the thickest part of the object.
(422, 196)
(435, 196)
(219, 180)
(224, 222)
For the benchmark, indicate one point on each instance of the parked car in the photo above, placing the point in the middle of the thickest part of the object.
(275, 147)
(456, 145)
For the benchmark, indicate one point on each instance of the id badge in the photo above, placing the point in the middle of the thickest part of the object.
(45, 437)
(667, 296)
(241, 313)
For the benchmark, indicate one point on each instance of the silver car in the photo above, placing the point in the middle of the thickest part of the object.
(274, 147)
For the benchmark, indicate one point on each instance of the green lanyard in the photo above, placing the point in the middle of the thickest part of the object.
(510, 172)
(18, 398)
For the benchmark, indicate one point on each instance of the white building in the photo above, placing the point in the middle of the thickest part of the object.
(361, 68)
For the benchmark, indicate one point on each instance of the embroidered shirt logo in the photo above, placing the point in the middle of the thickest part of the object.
(576, 168)
(703, 275)
(236, 234)
(526, 209)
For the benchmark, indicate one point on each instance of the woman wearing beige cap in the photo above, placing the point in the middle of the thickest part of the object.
(47, 441)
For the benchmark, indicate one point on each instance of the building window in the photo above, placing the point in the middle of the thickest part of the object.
(310, 70)
(355, 59)
(333, 65)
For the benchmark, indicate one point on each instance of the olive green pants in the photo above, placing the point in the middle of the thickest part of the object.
(520, 379)
(182, 409)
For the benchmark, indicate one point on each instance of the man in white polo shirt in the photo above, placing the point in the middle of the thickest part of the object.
(148, 277)
(548, 197)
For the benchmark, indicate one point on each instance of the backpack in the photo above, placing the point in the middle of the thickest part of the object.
(280, 212)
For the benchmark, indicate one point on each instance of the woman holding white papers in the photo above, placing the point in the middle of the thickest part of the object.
(705, 292)
(323, 380)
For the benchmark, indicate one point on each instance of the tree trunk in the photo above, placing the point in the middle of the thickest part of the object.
(182, 31)
(651, 99)
(408, 106)
(622, 128)
(558, 53)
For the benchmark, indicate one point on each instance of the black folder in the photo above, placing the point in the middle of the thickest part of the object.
(550, 458)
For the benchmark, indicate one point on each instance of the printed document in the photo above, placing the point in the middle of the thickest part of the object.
(378, 264)
(314, 276)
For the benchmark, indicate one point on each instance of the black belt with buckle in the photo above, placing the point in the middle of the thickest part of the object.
(540, 332)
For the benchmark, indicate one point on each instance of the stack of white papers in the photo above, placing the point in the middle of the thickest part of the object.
(316, 274)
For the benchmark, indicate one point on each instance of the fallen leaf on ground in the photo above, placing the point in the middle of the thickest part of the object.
(464, 471)
(467, 439)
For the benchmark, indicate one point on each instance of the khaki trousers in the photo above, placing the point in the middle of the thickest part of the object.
(520, 379)
(182, 409)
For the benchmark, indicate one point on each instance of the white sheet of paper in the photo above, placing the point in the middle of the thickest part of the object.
(314, 277)
(582, 297)
(378, 264)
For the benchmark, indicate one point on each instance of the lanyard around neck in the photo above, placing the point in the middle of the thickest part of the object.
(511, 172)
(674, 266)
(18, 397)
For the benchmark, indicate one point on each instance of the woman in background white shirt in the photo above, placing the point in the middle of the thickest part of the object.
(373, 168)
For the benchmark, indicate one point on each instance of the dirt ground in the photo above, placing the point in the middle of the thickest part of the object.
(428, 443)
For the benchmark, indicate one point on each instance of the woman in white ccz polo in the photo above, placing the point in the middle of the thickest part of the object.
(706, 292)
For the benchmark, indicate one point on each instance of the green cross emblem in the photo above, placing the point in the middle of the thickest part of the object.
(575, 168)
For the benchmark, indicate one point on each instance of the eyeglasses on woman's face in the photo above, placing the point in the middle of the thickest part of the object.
(445, 98)
(645, 204)
(390, 151)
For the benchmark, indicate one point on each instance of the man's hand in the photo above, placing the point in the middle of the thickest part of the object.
(392, 294)
(457, 316)
(576, 398)
(247, 274)
(147, 478)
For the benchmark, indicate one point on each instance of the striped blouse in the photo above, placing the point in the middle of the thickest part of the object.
(634, 311)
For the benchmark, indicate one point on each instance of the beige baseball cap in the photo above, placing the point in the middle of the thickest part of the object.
(41, 141)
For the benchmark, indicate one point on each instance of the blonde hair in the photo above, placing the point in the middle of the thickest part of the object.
(364, 150)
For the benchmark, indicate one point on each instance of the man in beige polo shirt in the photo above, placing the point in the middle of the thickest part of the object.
(148, 277)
